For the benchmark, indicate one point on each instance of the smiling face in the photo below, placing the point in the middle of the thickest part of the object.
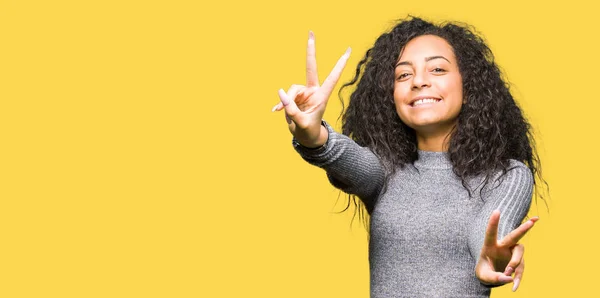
(428, 86)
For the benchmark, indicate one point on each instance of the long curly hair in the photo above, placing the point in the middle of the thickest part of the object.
(490, 130)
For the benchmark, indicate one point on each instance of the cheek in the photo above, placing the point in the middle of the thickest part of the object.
(452, 90)
(403, 112)
(401, 93)
(457, 87)
(400, 97)
(457, 98)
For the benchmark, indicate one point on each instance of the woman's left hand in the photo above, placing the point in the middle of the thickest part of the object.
(499, 259)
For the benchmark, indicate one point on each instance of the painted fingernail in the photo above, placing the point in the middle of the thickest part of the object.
(508, 271)
(283, 97)
(348, 51)
(516, 284)
(311, 36)
(274, 108)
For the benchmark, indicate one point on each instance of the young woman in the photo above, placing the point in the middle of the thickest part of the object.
(438, 152)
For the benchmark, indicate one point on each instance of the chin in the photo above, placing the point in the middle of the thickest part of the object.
(425, 127)
(425, 123)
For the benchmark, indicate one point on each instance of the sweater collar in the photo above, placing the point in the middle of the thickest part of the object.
(433, 160)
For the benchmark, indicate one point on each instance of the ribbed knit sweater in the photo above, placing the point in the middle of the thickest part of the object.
(426, 232)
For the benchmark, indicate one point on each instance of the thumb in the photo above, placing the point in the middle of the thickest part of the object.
(289, 103)
(494, 278)
(486, 275)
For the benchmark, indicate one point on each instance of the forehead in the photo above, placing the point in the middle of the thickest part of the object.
(426, 46)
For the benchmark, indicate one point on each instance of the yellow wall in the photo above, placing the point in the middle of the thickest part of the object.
(139, 156)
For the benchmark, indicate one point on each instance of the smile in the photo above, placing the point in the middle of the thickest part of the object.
(424, 101)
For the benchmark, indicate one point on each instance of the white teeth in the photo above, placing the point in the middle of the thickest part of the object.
(424, 100)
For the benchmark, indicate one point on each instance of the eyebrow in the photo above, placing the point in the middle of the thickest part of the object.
(427, 59)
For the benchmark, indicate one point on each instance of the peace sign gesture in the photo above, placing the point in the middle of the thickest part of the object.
(506, 254)
(305, 105)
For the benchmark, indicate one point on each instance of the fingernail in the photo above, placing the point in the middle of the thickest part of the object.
(273, 109)
(516, 284)
(348, 51)
(508, 271)
(311, 35)
(283, 97)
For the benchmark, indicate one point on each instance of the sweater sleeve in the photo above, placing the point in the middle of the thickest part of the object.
(511, 194)
(350, 167)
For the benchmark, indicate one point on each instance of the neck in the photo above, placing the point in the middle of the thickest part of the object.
(437, 141)
(433, 160)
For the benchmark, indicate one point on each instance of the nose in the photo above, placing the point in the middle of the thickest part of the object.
(420, 80)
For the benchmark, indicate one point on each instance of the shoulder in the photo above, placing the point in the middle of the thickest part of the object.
(519, 169)
(516, 173)
(513, 163)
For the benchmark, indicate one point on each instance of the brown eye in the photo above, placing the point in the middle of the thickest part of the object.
(403, 75)
(438, 70)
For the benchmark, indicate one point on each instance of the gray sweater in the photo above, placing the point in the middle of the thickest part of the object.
(426, 233)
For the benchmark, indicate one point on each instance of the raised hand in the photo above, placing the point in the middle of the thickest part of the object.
(500, 259)
(305, 105)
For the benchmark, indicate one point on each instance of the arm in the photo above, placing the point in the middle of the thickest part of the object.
(350, 167)
(512, 196)
(496, 247)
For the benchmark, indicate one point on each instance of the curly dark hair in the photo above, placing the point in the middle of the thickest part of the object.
(490, 129)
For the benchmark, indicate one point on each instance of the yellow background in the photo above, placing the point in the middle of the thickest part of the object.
(139, 156)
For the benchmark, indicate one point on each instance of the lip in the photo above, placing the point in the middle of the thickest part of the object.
(422, 97)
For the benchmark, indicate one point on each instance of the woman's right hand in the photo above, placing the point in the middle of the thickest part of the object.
(305, 105)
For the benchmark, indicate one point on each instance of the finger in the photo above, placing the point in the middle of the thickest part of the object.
(291, 107)
(312, 78)
(335, 74)
(287, 100)
(277, 107)
(492, 229)
(290, 95)
(281, 104)
(515, 259)
(490, 277)
(515, 235)
(518, 275)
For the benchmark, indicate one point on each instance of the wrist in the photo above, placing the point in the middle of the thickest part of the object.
(317, 143)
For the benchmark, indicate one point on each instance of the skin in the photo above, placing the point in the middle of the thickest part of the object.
(427, 67)
(418, 73)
